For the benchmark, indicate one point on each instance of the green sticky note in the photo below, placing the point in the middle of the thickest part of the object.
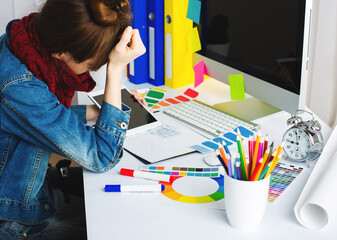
(155, 94)
(149, 100)
(237, 87)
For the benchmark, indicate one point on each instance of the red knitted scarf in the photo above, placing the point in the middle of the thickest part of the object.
(61, 80)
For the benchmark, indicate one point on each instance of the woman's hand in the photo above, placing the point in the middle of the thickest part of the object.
(129, 47)
(139, 97)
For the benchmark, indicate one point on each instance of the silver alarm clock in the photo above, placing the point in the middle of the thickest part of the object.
(304, 140)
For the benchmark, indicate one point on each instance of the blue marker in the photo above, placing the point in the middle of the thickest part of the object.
(135, 188)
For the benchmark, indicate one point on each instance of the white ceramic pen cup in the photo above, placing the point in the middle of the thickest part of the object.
(245, 202)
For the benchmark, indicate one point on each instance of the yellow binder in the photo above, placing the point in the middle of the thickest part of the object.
(178, 60)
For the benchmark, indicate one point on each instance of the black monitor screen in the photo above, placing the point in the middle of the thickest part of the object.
(261, 38)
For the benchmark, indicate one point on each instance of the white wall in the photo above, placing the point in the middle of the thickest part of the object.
(11, 9)
(322, 85)
(6, 14)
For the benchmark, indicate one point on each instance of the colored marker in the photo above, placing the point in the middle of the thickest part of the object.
(147, 175)
(135, 188)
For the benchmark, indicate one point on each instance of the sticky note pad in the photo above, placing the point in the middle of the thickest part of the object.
(171, 100)
(182, 98)
(193, 11)
(237, 87)
(164, 104)
(159, 89)
(211, 145)
(200, 70)
(200, 148)
(219, 139)
(155, 94)
(191, 93)
(149, 100)
(155, 107)
(230, 136)
(244, 131)
(194, 44)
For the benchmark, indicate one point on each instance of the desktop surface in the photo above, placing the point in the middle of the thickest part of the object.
(155, 216)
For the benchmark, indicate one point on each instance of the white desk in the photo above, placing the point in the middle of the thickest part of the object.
(154, 216)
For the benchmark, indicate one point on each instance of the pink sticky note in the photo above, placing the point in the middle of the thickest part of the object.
(199, 71)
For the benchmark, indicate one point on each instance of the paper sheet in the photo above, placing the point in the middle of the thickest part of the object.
(169, 140)
(318, 200)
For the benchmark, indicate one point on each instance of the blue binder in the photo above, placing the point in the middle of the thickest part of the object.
(156, 42)
(138, 69)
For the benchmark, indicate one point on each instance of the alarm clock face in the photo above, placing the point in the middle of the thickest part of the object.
(296, 143)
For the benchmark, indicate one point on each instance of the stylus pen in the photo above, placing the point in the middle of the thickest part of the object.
(147, 175)
(135, 188)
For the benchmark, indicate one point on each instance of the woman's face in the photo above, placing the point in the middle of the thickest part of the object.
(77, 68)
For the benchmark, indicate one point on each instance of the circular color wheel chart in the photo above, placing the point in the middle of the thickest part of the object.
(215, 196)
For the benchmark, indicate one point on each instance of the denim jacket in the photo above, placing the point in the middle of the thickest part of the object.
(32, 125)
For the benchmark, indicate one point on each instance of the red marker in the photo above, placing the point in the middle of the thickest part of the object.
(147, 175)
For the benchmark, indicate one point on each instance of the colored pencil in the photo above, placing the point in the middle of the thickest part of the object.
(273, 164)
(270, 156)
(265, 145)
(229, 161)
(259, 167)
(223, 154)
(234, 169)
(242, 156)
(265, 170)
(250, 151)
(256, 150)
(260, 152)
(221, 160)
(238, 169)
(224, 144)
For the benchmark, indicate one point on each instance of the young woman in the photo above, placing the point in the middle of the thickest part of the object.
(44, 59)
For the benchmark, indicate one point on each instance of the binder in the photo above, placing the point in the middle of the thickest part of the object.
(178, 60)
(138, 69)
(156, 42)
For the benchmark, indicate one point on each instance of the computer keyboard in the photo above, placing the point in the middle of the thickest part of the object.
(206, 118)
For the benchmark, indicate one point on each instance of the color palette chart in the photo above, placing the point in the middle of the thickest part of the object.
(155, 98)
(280, 178)
(212, 174)
(183, 171)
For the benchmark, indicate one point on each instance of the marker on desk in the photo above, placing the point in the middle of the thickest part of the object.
(147, 175)
(135, 188)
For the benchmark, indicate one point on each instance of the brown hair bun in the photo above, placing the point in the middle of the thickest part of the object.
(107, 12)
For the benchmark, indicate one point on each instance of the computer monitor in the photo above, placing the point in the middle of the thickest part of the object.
(266, 41)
